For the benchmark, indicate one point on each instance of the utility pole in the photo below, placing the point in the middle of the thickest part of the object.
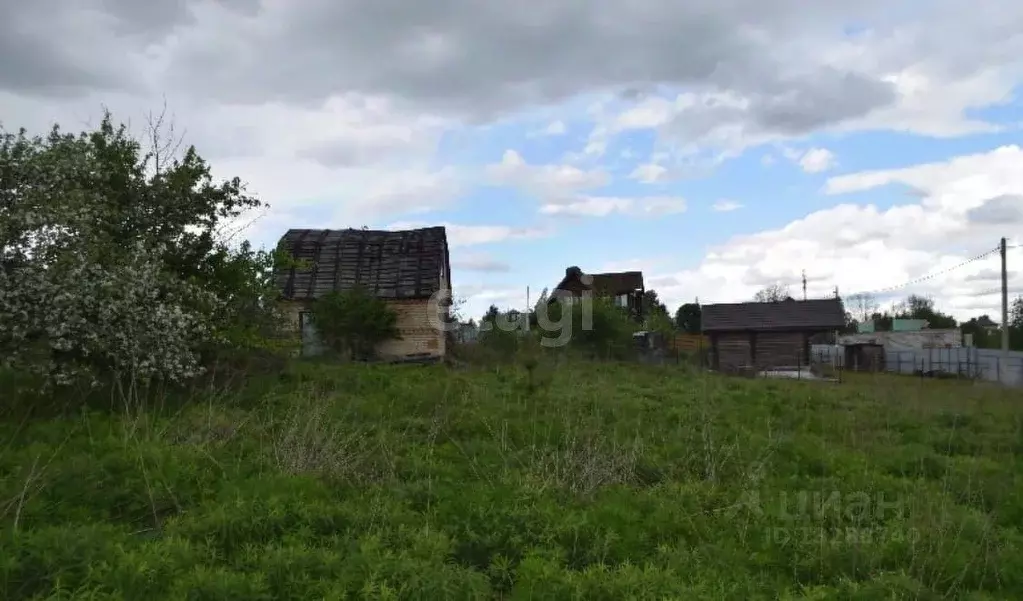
(804, 284)
(1005, 308)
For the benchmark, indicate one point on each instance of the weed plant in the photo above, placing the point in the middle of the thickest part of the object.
(544, 478)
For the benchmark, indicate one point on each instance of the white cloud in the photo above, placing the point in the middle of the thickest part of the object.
(547, 181)
(479, 262)
(725, 206)
(471, 235)
(556, 128)
(602, 206)
(476, 299)
(649, 173)
(646, 265)
(334, 112)
(811, 160)
(864, 248)
(817, 160)
(564, 190)
(359, 158)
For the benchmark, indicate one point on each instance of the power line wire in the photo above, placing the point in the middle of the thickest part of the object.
(928, 276)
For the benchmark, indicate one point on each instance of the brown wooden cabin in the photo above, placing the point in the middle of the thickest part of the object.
(624, 288)
(767, 335)
(405, 268)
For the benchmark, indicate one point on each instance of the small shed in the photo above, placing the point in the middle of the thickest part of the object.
(767, 335)
(409, 269)
(624, 288)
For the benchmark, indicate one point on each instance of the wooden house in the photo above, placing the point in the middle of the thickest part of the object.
(408, 269)
(624, 288)
(767, 335)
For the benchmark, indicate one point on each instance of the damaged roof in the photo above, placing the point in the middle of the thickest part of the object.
(404, 264)
(602, 284)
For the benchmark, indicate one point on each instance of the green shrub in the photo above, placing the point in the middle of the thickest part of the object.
(595, 328)
(352, 323)
(114, 263)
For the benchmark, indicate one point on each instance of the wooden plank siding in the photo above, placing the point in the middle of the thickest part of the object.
(780, 349)
(690, 343)
(732, 350)
(762, 350)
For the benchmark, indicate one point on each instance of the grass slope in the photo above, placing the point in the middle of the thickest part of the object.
(590, 481)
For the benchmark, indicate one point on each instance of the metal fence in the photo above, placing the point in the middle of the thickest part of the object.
(969, 362)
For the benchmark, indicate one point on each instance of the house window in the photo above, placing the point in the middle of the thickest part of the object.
(622, 300)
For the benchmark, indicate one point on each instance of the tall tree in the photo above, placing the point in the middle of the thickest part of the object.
(982, 329)
(772, 293)
(688, 318)
(491, 315)
(921, 307)
(652, 304)
(861, 306)
(139, 239)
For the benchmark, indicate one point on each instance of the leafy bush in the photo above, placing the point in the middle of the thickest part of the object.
(114, 261)
(502, 334)
(73, 318)
(595, 327)
(353, 322)
(663, 325)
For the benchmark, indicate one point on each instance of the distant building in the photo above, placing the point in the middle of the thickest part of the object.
(624, 288)
(767, 335)
(404, 268)
(908, 325)
(907, 341)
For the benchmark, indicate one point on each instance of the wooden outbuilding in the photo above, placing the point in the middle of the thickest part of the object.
(767, 335)
(409, 269)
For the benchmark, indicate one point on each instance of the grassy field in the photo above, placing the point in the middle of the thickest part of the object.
(589, 481)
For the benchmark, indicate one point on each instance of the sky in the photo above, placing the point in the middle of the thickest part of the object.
(718, 146)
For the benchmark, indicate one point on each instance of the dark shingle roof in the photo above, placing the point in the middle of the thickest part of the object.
(400, 265)
(779, 315)
(616, 283)
(602, 284)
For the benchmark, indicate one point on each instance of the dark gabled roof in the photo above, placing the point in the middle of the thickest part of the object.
(395, 265)
(602, 284)
(616, 283)
(779, 315)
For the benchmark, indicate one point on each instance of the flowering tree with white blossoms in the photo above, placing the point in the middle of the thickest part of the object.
(112, 261)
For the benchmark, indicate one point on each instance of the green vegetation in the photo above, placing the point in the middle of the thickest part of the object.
(575, 481)
(352, 323)
(117, 261)
(177, 454)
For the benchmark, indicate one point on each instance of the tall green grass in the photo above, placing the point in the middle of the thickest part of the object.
(571, 481)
